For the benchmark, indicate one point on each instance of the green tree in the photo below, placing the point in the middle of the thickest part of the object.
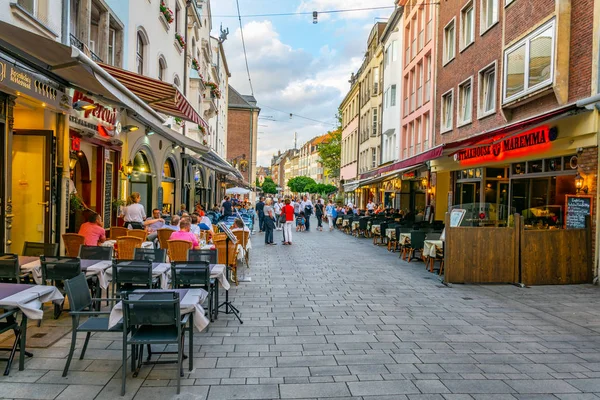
(269, 186)
(298, 184)
(328, 189)
(331, 151)
(257, 183)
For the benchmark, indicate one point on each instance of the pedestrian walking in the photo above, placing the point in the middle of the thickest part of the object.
(307, 207)
(296, 205)
(260, 211)
(319, 214)
(331, 214)
(277, 208)
(288, 212)
(269, 222)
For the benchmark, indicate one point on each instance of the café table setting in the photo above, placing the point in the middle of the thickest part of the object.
(33, 265)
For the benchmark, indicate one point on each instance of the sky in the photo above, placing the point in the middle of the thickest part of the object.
(296, 66)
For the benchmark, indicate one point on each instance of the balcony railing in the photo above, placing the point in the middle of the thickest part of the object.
(75, 42)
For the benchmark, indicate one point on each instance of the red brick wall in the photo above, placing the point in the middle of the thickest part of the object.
(522, 15)
(588, 166)
(582, 33)
(238, 136)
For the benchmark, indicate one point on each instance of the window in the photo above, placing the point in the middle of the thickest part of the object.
(387, 56)
(176, 81)
(374, 133)
(111, 46)
(529, 63)
(140, 53)
(447, 104)
(465, 100)
(467, 25)
(373, 157)
(449, 41)
(162, 69)
(375, 80)
(392, 102)
(487, 91)
(394, 51)
(177, 12)
(426, 131)
(489, 14)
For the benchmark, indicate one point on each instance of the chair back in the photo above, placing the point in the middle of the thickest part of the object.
(138, 233)
(417, 239)
(129, 273)
(126, 246)
(222, 255)
(78, 293)
(242, 237)
(362, 223)
(433, 236)
(33, 249)
(117, 231)
(96, 253)
(9, 268)
(59, 268)
(205, 255)
(163, 235)
(72, 242)
(178, 249)
(190, 274)
(153, 255)
(151, 308)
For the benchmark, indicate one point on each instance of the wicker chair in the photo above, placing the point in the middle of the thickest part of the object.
(220, 241)
(126, 246)
(178, 250)
(138, 233)
(117, 232)
(72, 243)
(243, 237)
(164, 234)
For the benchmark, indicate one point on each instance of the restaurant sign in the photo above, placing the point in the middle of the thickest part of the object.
(99, 119)
(537, 139)
(22, 82)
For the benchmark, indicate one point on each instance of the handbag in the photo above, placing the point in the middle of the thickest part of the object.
(282, 218)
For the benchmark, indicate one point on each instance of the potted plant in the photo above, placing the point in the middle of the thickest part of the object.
(166, 12)
(116, 206)
(180, 40)
(196, 65)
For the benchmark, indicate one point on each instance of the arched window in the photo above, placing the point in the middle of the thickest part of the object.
(162, 69)
(176, 81)
(140, 52)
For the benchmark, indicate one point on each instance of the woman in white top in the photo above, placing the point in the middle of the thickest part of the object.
(134, 214)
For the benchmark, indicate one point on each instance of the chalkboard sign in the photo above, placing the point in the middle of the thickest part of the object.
(108, 189)
(160, 198)
(576, 210)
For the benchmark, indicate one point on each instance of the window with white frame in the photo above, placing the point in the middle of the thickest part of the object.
(465, 101)
(375, 124)
(529, 63)
(487, 91)
(447, 104)
(392, 102)
(489, 14)
(449, 41)
(467, 25)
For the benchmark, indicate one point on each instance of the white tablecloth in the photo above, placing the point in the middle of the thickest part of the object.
(431, 247)
(376, 229)
(405, 238)
(30, 300)
(355, 225)
(390, 233)
(111, 243)
(99, 269)
(192, 302)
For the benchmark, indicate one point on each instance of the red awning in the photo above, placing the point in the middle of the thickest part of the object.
(161, 96)
(409, 162)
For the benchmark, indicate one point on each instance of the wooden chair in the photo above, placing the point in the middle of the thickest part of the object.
(117, 232)
(178, 249)
(163, 235)
(243, 237)
(138, 233)
(72, 243)
(126, 246)
(220, 242)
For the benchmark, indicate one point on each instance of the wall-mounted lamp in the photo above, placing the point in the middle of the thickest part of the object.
(579, 184)
(149, 132)
(130, 128)
(129, 168)
(82, 105)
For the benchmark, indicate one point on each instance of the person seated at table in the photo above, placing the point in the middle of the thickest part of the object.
(174, 225)
(184, 233)
(238, 225)
(93, 231)
(153, 224)
(182, 210)
(195, 229)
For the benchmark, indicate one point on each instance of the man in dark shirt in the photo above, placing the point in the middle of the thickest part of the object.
(227, 206)
(260, 210)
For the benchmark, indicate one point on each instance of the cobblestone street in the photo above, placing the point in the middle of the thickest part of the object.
(333, 316)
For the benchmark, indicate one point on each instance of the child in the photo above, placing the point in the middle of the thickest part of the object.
(300, 220)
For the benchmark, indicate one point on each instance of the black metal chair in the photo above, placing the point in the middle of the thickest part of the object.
(82, 304)
(153, 255)
(8, 322)
(59, 269)
(363, 223)
(193, 275)
(129, 275)
(417, 242)
(153, 318)
(96, 253)
(433, 236)
(206, 255)
(34, 249)
(10, 271)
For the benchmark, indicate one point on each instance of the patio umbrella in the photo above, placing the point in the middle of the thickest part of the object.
(237, 190)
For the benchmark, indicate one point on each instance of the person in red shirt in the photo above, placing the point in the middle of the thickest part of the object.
(288, 211)
(93, 231)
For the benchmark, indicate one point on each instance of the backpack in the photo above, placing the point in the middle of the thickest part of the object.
(308, 209)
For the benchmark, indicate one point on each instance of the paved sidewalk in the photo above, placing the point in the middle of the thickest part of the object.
(335, 317)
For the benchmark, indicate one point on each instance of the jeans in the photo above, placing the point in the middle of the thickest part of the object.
(319, 220)
(307, 223)
(268, 234)
(277, 223)
(261, 221)
(287, 231)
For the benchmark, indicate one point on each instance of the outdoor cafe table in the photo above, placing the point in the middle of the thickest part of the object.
(28, 299)
(404, 238)
(376, 229)
(90, 267)
(355, 225)
(190, 301)
(390, 233)
(431, 247)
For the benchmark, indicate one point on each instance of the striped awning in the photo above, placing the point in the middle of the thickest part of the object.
(162, 96)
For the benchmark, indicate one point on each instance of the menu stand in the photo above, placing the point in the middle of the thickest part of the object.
(229, 307)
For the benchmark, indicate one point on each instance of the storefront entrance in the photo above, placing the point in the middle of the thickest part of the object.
(168, 188)
(31, 187)
(141, 180)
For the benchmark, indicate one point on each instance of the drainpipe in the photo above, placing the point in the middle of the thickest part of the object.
(64, 32)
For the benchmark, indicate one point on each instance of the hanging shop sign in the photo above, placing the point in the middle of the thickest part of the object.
(21, 82)
(97, 119)
(535, 140)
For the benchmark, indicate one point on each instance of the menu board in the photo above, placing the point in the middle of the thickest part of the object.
(456, 217)
(225, 229)
(576, 210)
(108, 189)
